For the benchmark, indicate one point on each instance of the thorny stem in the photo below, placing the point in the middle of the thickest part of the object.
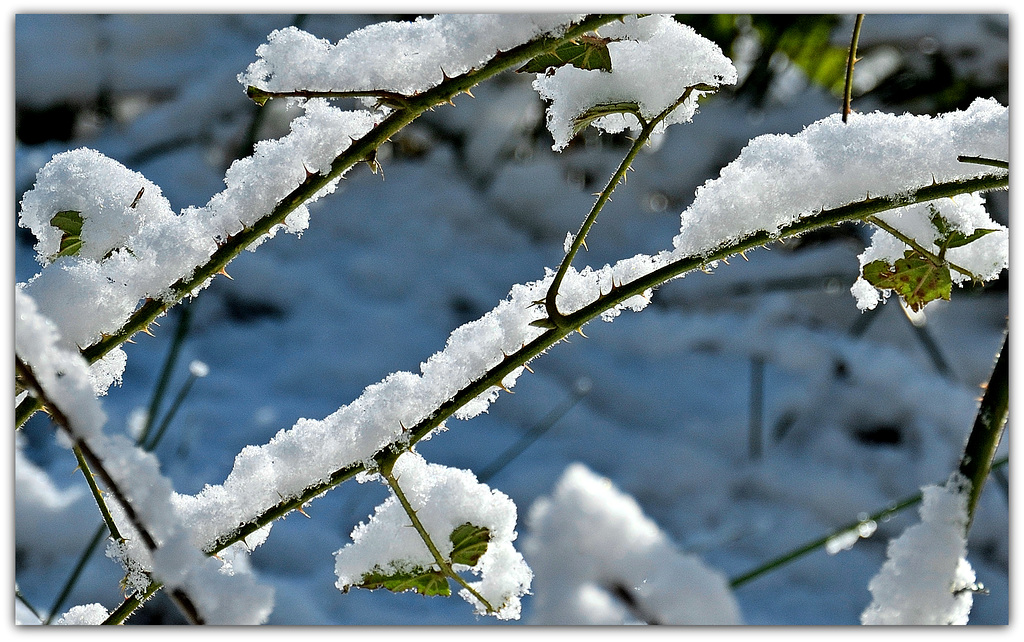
(989, 423)
(981, 160)
(97, 494)
(850, 62)
(551, 304)
(386, 471)
(389, 98)
(359, 151)
(617, 295)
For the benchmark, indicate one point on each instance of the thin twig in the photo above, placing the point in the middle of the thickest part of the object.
(820, 542)
(850, 62)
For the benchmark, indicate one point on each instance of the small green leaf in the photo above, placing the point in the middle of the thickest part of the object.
(586, 52)
(423, 581)
(470, 542)
(69, 222)
(957, 239)
(915, 278)
(257, 95)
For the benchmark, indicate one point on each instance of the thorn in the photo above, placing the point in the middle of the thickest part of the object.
(580, 330)
(303, 512)
(155, 323)
(705, 270)
(147, 331)
(470, 94)
(584, 242)
(138, 197)
(502, 386)
(725, 260)
(129, 341)
(743, 253)
(528, 368)
(225, 273)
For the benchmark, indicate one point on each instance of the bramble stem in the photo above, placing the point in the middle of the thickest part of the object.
(551, 305)
(617, 295)
(811, 546)
(178, 596)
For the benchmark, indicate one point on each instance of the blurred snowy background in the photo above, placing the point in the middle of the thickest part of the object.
(746, 411)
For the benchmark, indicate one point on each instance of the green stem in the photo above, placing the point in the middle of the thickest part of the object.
(987, 431)
(386, 471)
(165, 373)
(850, 62)
(83, 559)
(551, 305)
(814, 545)
(97, 494)
(124, 611)
(171, 412)
(933, 258)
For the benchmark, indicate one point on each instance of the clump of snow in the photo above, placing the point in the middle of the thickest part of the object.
(84, 614)
(589, 541)
(62, 374)
(926, 578)
(778, 179)
(655, 59)
(402, 57)
(444, 498)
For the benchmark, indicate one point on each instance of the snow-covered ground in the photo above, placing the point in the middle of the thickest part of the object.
(471, 201)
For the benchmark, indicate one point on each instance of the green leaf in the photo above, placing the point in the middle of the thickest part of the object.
(470, 542)
(915, 278)
(422, 580)
(957, 239)
(69, 222)
(586, 52)
(257, 95)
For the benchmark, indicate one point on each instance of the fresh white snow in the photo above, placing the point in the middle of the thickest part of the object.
(384, 271)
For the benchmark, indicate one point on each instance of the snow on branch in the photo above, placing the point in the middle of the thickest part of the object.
(164, 548)
(926, 578)
(654, 60)
(401, 57)
(107, 237)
